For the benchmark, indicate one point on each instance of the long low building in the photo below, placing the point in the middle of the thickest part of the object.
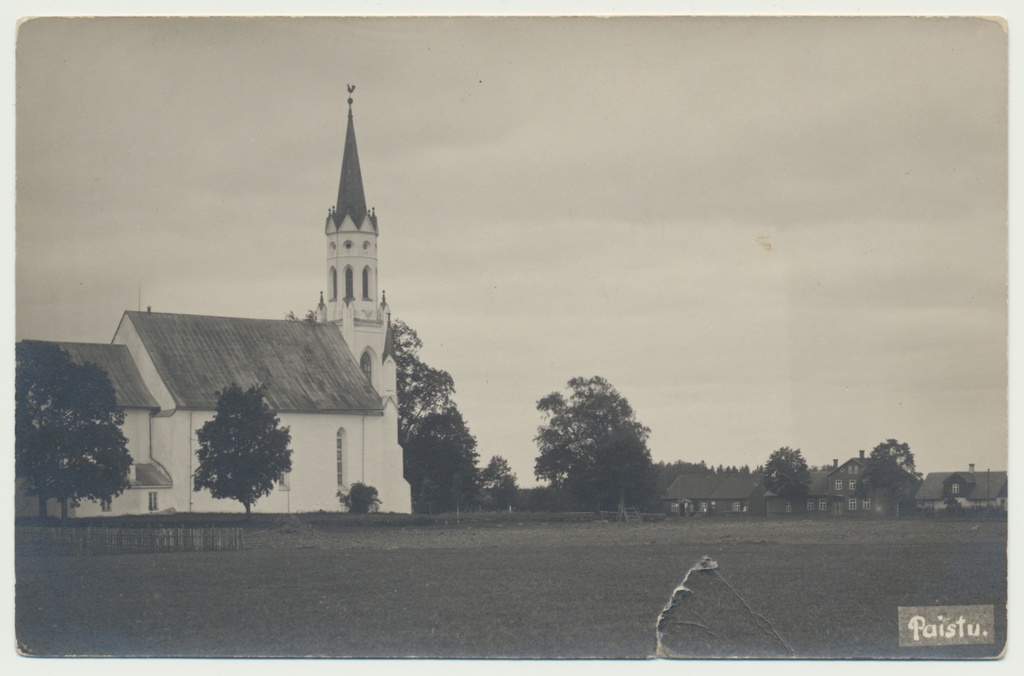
(837, 492)
(970, 489)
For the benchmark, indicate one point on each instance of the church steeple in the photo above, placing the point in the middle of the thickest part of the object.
(351, 200)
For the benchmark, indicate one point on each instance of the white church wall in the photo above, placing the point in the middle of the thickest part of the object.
(127, 335)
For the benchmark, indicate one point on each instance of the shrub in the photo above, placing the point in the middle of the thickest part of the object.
(360, 499)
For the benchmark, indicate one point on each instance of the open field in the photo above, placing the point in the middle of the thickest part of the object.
(500, 589)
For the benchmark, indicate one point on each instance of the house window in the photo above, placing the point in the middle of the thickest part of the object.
(810, 505)
(867, 503)
(366, 364)
(334, 284)
(104, 505)
(823, 504)
(839, 484)
(789, 507)
(854, 469)
(341, 455)
(956, 488)
(853, 484)
(703, 506)
(737, 507)
(348, 284)
(154, 504)
(366, 283)
(852, 505)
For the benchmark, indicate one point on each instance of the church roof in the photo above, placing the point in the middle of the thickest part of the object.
(351, 200)
(305, 367)
(129, 388)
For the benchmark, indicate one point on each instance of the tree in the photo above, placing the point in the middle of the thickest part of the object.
(360, 499)
(498, 487)
(242, 450)
(422, 390)
(786, 474)
(443, 452)
(891, 471)
(592, 444)
(68, 442)
(438, 447)
(308, 318)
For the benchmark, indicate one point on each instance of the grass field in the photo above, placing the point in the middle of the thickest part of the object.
(486, 589)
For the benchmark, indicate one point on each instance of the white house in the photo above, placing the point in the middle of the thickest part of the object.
(333, 383)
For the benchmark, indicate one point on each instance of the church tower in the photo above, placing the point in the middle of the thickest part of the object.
(351, 301)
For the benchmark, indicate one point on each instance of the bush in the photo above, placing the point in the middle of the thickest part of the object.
(360, 499)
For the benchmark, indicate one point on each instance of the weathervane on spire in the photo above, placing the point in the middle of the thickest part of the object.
(351, 88)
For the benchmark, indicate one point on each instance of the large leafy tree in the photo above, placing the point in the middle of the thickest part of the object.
(439, 451)
(786, 474)
(440, 462)
(68, 442)
(591, 444)
(243, 449)
(498, 487)
(422, 389)
(891, 471)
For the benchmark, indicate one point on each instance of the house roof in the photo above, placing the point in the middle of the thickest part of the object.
(738, 486)
(692, 486)
(714, 486)
(129, 388)
(979, 485)
(151, 475)
(304, 367)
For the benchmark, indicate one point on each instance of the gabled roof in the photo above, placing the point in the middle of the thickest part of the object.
(978, 485)
(932, 486)
(129, 388)
(305, 367)
(858, 461)
(738, 486)
(699, 486)
(692, 486)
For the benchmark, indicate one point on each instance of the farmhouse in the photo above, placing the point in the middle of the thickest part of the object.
(705, 493)
(332, 382)
(970, 489)
(839, 491)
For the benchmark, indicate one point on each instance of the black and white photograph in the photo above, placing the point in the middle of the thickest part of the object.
(517, 337)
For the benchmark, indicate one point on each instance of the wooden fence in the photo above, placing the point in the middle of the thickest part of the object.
(90, 541)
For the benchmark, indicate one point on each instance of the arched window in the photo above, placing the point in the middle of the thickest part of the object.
(366, 283)
(341, 456)
(348, 284)
(334, 283)
(366, 363)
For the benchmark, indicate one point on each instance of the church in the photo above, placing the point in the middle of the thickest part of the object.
(332, 382)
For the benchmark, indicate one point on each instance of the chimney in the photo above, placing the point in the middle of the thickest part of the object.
(862, 455)
(149, 309)
(971, 468)
(835, 463)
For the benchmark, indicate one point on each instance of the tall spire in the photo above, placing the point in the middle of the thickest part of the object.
(351, 200)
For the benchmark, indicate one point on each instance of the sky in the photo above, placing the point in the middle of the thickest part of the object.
(763, 232)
